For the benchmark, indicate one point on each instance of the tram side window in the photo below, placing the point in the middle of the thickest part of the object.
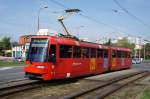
(85, 52)
(119, 54)
(129, 55)
(77, 52)
(114, 54)
(123, 54)
(52, 53)
(93, 53)
(126, 54)
(65, 51)
(100, 53)
(105, 53)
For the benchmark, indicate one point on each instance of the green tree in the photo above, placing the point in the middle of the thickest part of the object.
(147, 50)
(6, 43)
(125, 43)
(108, 43)
(1, 48)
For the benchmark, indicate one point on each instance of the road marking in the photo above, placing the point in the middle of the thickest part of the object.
(5, 68)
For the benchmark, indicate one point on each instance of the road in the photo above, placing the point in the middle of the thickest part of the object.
(144, 66)
(12, 73)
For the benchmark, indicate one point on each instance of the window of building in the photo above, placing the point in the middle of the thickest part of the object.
(76, 52)
(65, 51)
(85, 52)
(93, 53)
(100, 53)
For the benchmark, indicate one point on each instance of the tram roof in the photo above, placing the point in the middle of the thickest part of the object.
(73, 42)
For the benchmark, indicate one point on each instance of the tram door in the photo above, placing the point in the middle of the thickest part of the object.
(106, 60)
(122, 58)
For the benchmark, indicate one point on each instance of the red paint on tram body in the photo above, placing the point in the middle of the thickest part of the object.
(54, 57)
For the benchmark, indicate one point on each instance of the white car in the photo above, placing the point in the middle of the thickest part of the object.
(136, 61)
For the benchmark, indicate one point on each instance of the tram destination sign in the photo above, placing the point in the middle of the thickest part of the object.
(39, 42)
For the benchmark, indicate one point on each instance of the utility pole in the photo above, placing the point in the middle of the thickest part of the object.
(144, 51)
(38, 23)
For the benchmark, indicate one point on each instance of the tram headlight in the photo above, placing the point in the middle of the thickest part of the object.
(41, 67)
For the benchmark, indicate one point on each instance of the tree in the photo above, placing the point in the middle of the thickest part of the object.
(147, 51)
(6, 43)
(108, 43)
(14, 43)
(1, 48)
(125, 43)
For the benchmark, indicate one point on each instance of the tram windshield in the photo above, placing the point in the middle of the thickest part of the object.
(38, 50)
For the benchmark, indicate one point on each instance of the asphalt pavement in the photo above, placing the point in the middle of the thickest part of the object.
(144, 66)
(11, 73)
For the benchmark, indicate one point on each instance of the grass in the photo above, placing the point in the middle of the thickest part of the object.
(11, 63)
(146, 94)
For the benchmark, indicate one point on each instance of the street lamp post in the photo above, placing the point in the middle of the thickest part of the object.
(38, 24)
(144, 51)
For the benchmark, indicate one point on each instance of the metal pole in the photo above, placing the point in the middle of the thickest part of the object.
(65, 29)
(38, 24)
(144, 51)
(135, 53)
(139, 54)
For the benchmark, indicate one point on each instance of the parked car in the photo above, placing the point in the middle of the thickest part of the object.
(20, 59)
(136, 61)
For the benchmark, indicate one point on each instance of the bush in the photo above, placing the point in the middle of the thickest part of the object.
(2, 53)
(8, 54)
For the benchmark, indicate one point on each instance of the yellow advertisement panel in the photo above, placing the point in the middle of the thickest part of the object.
(92, 64)
(113, 62)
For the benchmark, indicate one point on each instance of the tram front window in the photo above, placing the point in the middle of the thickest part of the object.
(38, 50)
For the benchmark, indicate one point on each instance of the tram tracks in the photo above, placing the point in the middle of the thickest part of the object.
(106, 88)
(9, 81)
(16, 86)
(100, 89)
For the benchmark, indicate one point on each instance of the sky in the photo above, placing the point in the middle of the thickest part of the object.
(107, 19)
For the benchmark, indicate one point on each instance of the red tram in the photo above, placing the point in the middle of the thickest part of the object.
(54, 57)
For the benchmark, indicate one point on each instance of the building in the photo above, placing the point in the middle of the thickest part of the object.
(25, 39)
(20, 50)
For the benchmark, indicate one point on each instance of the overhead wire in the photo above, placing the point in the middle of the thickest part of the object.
(60, 4)
(90, 18)
(131, 15)
(99, 22)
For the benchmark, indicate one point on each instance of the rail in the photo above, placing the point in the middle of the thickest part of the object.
(106, 84)
(16, 86)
